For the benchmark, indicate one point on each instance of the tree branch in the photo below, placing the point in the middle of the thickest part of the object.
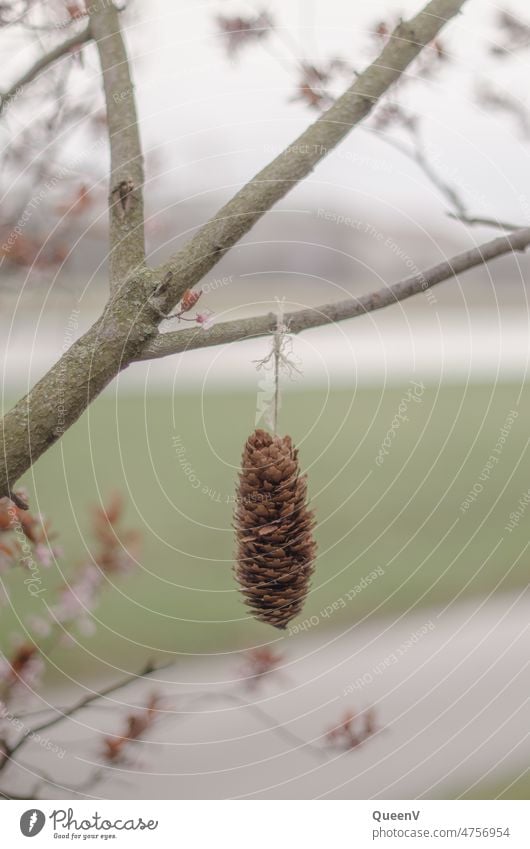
(39, 419)
(481, 221)
(459, 211)
(176, 342)
(253, 708)
(127, 243)
(56, 402)
(44, 62)
(239, 215)
(138, 302)
(148, 670)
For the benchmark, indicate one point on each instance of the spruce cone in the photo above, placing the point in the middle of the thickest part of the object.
(273, 523)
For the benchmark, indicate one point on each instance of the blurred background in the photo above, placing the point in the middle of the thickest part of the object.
(418, 612)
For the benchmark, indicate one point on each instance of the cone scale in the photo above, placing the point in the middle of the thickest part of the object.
(274, 530)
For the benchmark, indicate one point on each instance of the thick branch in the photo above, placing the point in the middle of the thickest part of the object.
(130, 320)
(127, 245)
(237, 217)
(57, 401)
(44, 62)
(234, 331)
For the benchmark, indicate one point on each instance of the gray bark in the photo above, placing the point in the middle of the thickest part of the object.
(179, 341)
(140, 296)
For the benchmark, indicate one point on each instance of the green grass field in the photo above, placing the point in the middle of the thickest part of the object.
(403, 516)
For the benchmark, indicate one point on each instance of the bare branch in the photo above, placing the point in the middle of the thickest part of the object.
(237, 217)
(139, 301)
(459, 213)
(60, 397)
(479, 221)
(44, 62)
(265, 718)
(127, 245)
(420, 157)
(148, 670)
(39, 419)
(247, 328)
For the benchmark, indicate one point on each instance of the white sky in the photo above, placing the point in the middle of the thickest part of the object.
(208, 124)
(203, 106)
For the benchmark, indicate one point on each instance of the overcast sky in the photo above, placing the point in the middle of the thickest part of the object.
(218, 120)
(209, 123)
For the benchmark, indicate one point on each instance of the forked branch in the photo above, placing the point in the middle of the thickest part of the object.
(140, 296)
(297, 161)
(43, 62)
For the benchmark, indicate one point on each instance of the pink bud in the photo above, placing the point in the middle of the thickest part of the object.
(205, 319)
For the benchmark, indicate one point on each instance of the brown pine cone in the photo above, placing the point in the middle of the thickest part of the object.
(276, 549)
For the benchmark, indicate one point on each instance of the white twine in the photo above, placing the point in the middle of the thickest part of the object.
(279, 359)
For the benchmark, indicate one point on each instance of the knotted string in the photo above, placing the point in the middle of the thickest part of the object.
(280, 359)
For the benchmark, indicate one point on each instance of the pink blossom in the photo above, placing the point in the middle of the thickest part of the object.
(5, 562)
(80, 595)
(5, 669)
(86, 626)
(44, 554)
(40, 626)
(205, 319)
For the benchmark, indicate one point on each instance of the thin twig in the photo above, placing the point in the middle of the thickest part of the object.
(166, 344)
(264, 717)
(44, 62)
(131, 318)
(256, 710)
(148, 670)
(294, 163)
(459, 212)
(418, 155)
(481, 221)
(18, 501)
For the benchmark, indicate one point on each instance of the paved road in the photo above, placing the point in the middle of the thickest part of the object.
(450, 687)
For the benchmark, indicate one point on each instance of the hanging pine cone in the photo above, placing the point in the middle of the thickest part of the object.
(274, 525)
